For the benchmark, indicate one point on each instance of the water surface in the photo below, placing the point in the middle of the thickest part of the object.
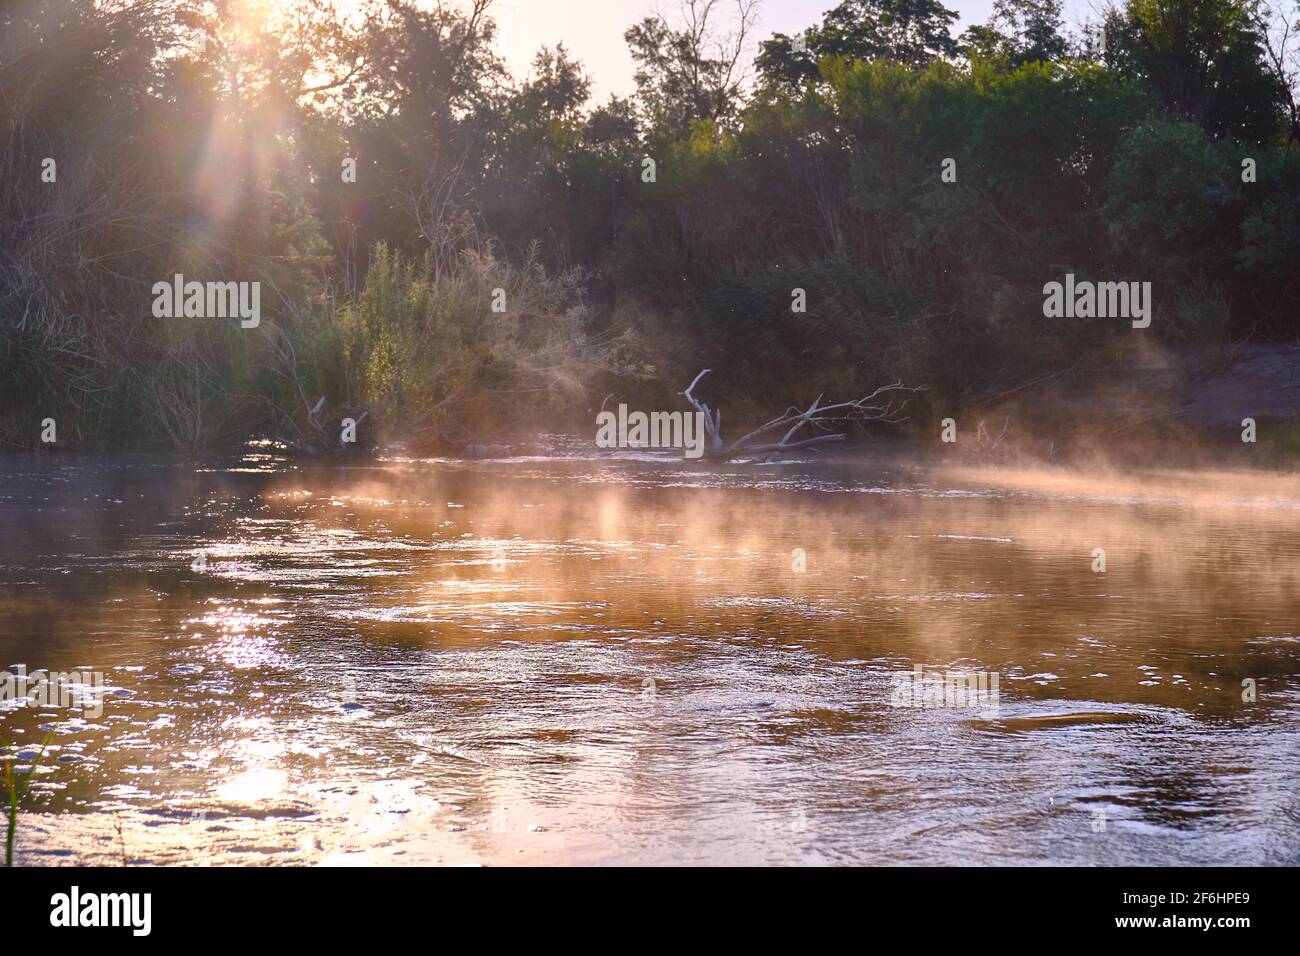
(573, 660)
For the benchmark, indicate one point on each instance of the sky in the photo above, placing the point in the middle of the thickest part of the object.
(592, 30)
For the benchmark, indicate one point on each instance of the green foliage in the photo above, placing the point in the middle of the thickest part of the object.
(377, 293)
(906, 32)
(682, 75)
(1032, 30)
(1206, 61)
(1170, 196)
(1267, 258)
(430, 356)
(403, 342)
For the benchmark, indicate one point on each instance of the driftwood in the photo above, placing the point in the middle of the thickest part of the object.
(883, 405)
(322, 430)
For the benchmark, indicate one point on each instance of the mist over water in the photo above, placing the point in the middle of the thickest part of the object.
(578, 660)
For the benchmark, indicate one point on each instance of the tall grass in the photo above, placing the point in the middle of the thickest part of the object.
(489, 344)
(16, 785)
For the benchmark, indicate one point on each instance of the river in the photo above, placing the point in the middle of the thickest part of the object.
(567, 659)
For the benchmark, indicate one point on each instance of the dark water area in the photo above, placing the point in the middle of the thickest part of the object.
(569, 659)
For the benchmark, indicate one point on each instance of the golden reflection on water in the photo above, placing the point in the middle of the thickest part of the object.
(578, 661)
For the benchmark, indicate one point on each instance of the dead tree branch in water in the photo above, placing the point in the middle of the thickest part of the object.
(885, 404)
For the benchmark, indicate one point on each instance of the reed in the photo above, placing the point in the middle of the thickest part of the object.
(15, 788)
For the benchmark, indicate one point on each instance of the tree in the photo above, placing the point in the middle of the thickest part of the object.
(526, 139)
(1278, 23)
(910, 32)
(1022, 30)
(430, 66)
(1205, 59)
(691, 73)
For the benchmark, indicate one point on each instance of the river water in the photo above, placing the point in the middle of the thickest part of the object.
(562, 660)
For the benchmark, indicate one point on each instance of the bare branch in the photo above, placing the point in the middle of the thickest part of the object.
(880, 405)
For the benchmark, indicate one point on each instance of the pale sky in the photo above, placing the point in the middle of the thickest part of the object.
(592, 30)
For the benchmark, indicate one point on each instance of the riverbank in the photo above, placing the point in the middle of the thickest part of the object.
(1236, 407)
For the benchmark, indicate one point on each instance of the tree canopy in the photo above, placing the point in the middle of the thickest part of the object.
(633, 240)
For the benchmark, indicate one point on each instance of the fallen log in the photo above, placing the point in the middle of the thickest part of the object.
(885, 404)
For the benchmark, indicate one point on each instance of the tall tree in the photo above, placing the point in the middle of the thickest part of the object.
(691, 72)
(910, 32)
(1034, 29)
(1278, 23)
(1206, 61)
